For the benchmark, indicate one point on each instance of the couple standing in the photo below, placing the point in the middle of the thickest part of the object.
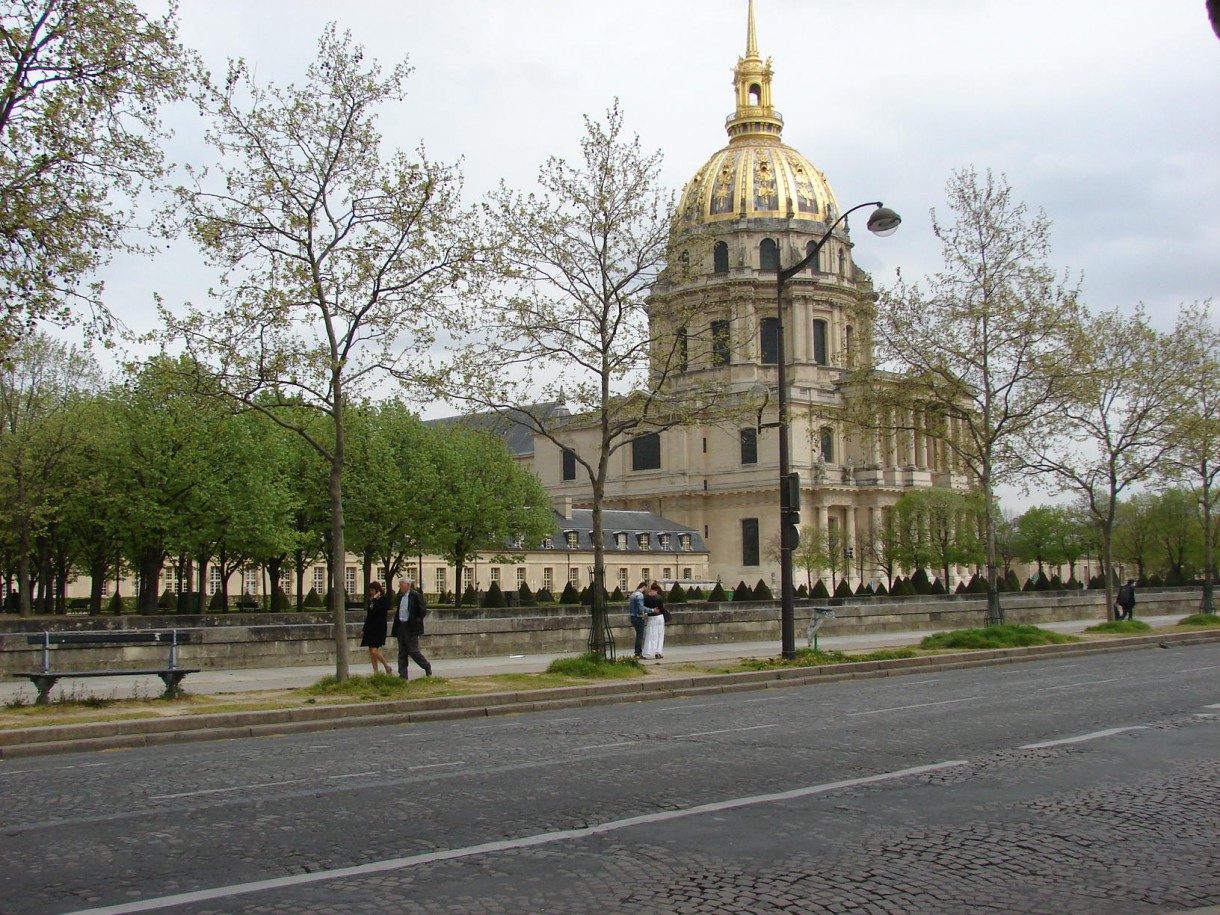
(646, 607)
(408, 626)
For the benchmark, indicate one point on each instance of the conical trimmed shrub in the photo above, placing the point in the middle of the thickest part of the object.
(676, 595)
(312, 599)
(762, 592)
(493, 596)
(743, 592)
(843, 589)
(819, 591)
(717, 595)
(570, 595)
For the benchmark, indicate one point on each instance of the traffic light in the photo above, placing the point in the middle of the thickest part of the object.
(792, 521)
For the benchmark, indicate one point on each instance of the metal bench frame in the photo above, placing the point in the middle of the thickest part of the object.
(172, 676)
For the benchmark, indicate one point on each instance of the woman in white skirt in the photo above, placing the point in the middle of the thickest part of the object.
(654, 631)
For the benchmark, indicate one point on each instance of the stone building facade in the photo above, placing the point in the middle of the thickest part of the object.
(754, 205)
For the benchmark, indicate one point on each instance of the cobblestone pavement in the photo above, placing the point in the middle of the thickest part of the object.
(1084, 785)
(1148, 844)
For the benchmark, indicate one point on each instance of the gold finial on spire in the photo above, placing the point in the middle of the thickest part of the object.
(755, 116)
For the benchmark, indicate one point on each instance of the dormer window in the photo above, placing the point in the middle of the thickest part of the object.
(643, 541)
(684, 539)
(664, 541)
(573, 539)
(620, 540)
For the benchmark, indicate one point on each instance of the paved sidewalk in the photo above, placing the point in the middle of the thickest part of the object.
(239, 680)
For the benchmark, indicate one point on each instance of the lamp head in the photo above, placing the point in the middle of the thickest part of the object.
(883, 221)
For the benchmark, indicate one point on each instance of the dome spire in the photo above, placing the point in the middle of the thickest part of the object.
(755, 116)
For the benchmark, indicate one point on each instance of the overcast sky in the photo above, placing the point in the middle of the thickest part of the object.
(1103, 113)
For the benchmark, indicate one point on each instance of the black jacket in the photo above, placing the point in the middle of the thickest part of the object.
(416, 611)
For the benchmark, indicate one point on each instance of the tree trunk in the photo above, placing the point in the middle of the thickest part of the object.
(149, 564)
(338, 606)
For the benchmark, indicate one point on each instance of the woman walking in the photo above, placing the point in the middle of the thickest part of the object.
(373, 635)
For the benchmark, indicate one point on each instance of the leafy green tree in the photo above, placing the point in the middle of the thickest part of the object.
(80, 88)
(338, 264)
(1194, 459)
(393, 486)
(1179, 535)
(1117, 421)
(162, 442)
(483, 501)
(40, 387)
(1038, 537)
(982, 349)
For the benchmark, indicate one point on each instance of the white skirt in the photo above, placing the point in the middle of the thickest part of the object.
(654, 636)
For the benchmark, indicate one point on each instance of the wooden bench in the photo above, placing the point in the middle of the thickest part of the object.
(172, 676)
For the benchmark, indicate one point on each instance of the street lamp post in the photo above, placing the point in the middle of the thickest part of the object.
(883, 221)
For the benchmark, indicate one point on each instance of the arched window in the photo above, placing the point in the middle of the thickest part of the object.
(720, 257)
(682, 356)
(755, 94)
(828, 445)
(768, 255)
(842, 263)
(769, 341)
(820, 354)
(848, 341)
(814, 265)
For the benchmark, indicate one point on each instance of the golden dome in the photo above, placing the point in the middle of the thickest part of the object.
(756, 175)
(758, 179)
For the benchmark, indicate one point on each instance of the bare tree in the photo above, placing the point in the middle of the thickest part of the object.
(980, 352)
(1194, 459)
(1116, 426)
(81, 82)
(337, 265)
(568, 349)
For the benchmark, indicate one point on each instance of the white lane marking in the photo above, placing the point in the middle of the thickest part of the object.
(606, 746)
(170, 797)
(903, 708)
(756, 727)
(546, 838)
(1217, 705)
(1086, 683)
(1191, 670)
(354, 775)
(684, 707)
(434, 766)
(1081, 738)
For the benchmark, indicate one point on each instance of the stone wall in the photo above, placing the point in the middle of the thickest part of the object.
(289, 639)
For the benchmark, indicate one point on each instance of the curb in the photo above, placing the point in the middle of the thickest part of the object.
(21, 743)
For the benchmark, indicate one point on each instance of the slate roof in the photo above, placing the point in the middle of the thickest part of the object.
(631, 523)
(513, 427)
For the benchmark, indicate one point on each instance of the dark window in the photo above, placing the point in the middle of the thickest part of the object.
(749, 541)
(749, 446)
(769, 338)
(814, 266)
(721, 343)
(768, 255)
(720, 257)
(569, 464)
(828, 446)
(819, 343)
(646, 452)
(683, 353)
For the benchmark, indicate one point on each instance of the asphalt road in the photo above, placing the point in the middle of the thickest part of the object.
(1078, 785)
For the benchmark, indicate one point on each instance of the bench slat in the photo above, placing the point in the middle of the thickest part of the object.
(108, 638)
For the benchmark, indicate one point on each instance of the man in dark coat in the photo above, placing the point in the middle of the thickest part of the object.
(1125, 601)
(409, 626)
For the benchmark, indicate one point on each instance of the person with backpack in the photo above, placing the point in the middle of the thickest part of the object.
(1125, 601)
(409, 626)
